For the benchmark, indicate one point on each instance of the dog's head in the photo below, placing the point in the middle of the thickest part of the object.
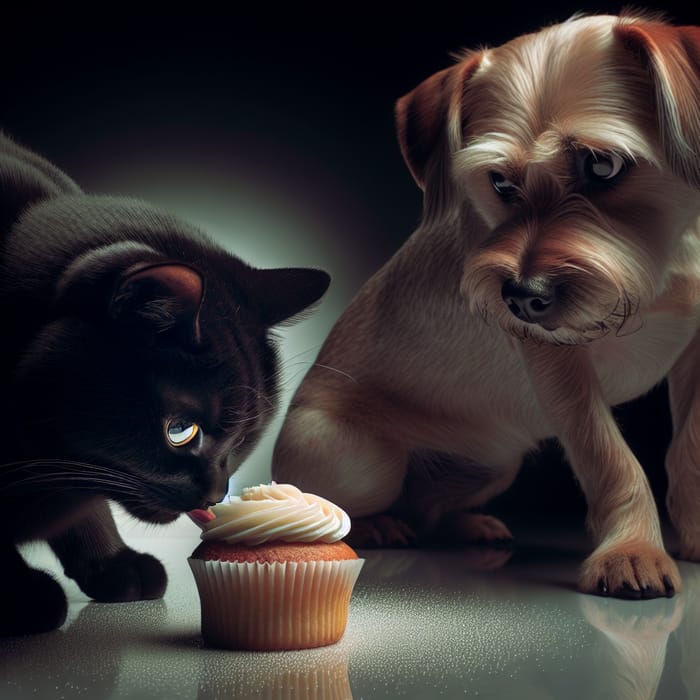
(571, 158)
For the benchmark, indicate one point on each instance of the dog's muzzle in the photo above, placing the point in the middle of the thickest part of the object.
(532, 300)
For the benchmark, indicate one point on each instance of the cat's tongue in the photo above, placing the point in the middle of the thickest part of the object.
(200, 516)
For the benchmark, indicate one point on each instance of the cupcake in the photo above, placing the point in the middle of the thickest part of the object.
(272, 571)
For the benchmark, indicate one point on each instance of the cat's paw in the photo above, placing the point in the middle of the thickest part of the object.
(31, 603)
(630, 570)
(128, 575)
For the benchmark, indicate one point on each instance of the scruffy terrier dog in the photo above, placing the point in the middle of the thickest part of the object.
(556, 273)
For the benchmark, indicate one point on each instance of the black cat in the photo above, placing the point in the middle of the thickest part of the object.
(136, 365)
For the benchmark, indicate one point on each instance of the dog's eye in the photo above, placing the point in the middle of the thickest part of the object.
(506, 188)
(601, 168)
(179, 432)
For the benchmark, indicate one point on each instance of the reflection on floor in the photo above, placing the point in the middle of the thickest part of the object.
(423, 624)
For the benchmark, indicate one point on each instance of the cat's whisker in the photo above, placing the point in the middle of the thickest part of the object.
(233, 423)
(292, 377)
(236, 417)
(309, 351)
(73, 481)
(294, 360)
(71, 474)
(258, 394)
(337, 371)
(239, 421)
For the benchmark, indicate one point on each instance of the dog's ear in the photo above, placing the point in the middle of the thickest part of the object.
(672, 56)
(430, 113)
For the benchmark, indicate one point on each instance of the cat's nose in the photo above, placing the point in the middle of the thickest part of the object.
(212, 499)
(216, 494)
(218, 484)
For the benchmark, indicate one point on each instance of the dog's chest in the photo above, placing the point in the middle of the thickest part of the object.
(630, 365)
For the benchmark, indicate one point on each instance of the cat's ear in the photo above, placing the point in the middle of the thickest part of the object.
(281, 294)
(27, 179)
(131, 284)
(161, 298)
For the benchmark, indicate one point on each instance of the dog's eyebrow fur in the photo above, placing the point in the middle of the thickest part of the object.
(495, 150)
(611, 135)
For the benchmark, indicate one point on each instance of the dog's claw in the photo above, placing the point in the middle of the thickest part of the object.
(603, 586)
(630, 592)
(670, 588)
(649, 592)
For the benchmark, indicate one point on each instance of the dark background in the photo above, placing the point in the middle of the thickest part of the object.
(270, 115)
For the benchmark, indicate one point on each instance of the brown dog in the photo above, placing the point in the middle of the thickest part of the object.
(556, 273)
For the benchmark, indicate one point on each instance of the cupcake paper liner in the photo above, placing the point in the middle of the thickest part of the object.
(274, 606)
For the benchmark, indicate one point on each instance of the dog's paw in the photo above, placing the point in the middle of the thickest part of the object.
(474, 528)
(468, 528)
(632, 570)
(377, 531)
(128, 575)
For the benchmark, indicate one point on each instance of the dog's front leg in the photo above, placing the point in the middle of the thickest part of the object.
(629, 560)
(683, 458)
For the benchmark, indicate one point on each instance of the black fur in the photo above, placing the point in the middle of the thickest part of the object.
(117, 317)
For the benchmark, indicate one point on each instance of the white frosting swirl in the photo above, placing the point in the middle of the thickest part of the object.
(276, 512)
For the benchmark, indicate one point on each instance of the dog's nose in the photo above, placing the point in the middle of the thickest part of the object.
(531, 299)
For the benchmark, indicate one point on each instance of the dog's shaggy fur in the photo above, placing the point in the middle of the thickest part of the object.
(556, 273)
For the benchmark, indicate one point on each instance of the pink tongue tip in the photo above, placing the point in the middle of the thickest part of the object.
(200, 516)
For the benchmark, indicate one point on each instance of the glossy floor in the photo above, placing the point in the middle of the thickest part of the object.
(423, 624)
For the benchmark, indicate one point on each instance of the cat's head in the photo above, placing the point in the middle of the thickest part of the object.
(155, 372)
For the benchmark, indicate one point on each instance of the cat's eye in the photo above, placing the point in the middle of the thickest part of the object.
(506, 188)
(601, 168)
(180, 432)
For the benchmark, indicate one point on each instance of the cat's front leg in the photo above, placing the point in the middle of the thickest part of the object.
(31, 601)
(93, 553)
